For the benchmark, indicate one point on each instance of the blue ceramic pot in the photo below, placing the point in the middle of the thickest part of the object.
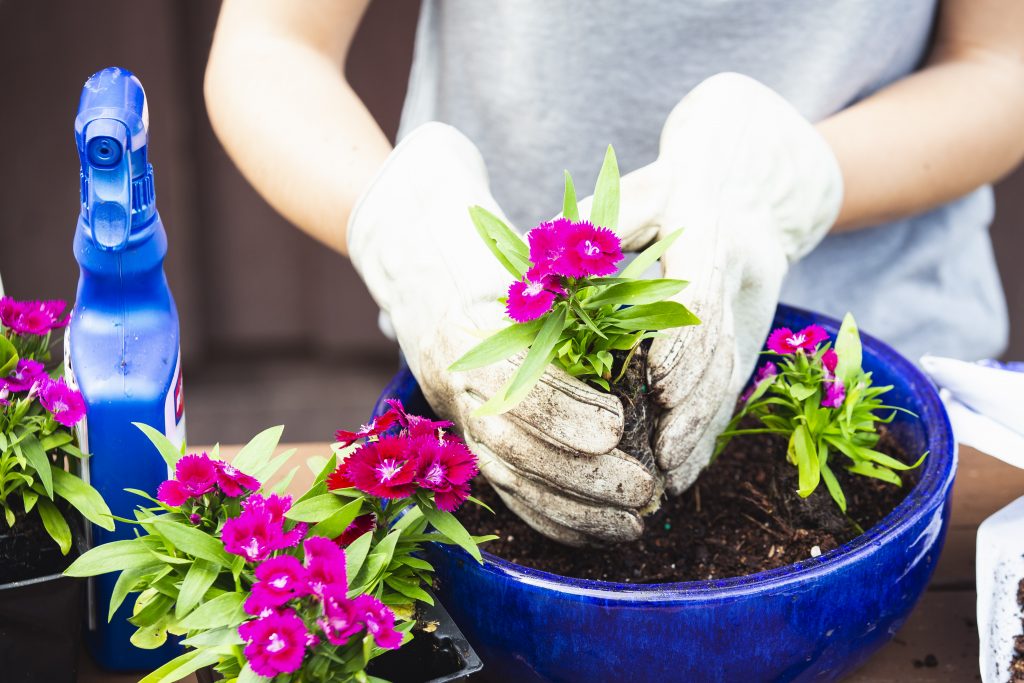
(814, 620)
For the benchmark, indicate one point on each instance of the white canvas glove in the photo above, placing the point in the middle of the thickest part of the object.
(754, 187)
(553, 458)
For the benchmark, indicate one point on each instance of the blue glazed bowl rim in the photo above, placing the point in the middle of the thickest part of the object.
(936, 479)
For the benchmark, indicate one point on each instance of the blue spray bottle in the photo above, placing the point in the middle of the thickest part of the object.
(122, 346)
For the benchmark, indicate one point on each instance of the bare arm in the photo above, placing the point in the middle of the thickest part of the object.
(279, 102)
(954, 125)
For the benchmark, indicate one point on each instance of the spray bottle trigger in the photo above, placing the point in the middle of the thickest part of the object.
(108, 160)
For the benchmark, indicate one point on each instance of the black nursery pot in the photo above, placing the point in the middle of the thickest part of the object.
(442, 655)
(40, 608)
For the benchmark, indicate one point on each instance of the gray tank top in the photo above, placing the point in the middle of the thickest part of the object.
(542, 85)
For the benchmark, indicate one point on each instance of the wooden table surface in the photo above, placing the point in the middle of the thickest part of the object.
(940, 640)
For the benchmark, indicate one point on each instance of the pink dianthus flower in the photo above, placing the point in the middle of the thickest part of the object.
(25, 375)
(65, 403)
(785, 341)
(589, 251)
(275, 643)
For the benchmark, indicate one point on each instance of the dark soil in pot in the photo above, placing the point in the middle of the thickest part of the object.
(638, 410)
(28, 552)
(1017, 665)
(742, 516)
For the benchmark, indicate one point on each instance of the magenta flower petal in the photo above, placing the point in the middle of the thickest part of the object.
(547, 242)
(383, 468)
(25, 375)
(813, 335)
(445, 467)
(172, 493)
(341, 618)
(379, 620)
(325, 565)
(359, 526)
(528, 301)
(280, 579)
(197, 473)
(829, 359)
(259, 529)
(66, 404)
(768, 371)
(5, 393)
(374, 427)
(835, 394)
(275, 643)
(232, 481)
(415, 424)
(32, 317)
(589, 251)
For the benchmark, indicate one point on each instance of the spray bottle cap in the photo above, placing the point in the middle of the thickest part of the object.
(111, 132)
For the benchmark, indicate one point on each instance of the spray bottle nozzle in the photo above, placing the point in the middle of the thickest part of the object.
(111, 135)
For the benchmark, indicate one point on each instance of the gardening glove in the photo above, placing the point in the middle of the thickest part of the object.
(552, 458)
(754, 188)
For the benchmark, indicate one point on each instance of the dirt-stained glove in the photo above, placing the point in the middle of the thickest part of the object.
(552, 458)
(754, 187)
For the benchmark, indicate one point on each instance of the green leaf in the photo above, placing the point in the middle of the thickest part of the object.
(376, 562)
(111, 557)
(223, 611)
(499, 346)
(657, 316)
(506, 245)
(356, 552)
(151, 608)
(190, 540)
(181, 666)
(197, 581)
(410, 589)
(126, 583)
(831, 483)
(636, 292)
(869, 469)
(150, 637)
(218, 637)
(649, 256)
(249, 676)
(271, 468)
(335, 525)
(316, 509)
(800, 392)
(533, 367)
(29, 499)
(570, 208)
(37, 459)
(168, 451)
(8, 356)
(82, 497)
(605, 210)
(55, 524)
(255, 454)
(848, 351)
(447, 524)
(802, 446)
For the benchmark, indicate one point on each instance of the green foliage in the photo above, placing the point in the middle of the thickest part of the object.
(187, 583)
(790, 404)
(597, 317)
(39, 460)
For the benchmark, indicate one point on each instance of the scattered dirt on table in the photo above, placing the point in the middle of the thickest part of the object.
(638, 409)
(1017, 664)
(742, 516)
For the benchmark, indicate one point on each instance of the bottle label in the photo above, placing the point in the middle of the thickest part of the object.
(174, 408)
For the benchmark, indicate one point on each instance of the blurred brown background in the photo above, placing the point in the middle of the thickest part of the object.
(275, 328)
